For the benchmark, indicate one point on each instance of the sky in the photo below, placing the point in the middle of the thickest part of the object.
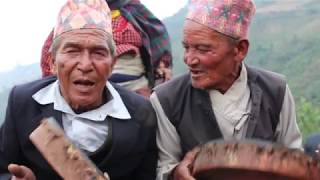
(26, 24)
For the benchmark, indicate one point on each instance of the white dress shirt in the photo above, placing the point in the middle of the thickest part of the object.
(87, 130)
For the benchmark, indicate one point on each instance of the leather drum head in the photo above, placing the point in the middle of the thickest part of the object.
(252, 160)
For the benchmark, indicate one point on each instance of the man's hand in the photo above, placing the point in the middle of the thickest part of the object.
(21, 172)
(183, 171)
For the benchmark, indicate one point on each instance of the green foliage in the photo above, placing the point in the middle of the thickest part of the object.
(287, 42)
(308, 117)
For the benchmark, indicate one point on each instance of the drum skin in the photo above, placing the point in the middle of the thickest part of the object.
(252, 160)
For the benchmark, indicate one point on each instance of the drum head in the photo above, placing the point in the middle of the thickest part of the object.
(251, 160)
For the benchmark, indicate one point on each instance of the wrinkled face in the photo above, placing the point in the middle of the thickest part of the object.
(83, 63)
(210, 56)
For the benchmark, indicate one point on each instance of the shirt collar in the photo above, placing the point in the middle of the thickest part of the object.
(114, 108)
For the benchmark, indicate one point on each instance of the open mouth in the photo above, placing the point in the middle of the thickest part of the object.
(83, 82)
(196, 72)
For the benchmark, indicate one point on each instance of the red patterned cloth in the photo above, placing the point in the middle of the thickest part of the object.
(126, 37)
(45, 62)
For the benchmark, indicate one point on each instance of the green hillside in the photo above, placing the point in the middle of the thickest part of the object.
(20, 74)
(288, 42)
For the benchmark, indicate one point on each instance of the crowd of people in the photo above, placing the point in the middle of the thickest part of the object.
(107, 80)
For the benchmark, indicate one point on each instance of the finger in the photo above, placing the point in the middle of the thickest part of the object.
(21, 172)
(189, 157)
(186, 174)
(16, 170)
(183, 175)
(182, 172)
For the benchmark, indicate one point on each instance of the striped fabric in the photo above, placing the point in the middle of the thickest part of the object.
(46, 62)
(127, 38)
(154, 34)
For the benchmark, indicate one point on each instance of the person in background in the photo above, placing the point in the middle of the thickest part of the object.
(143, 49)
(221, 96)
(113, 126)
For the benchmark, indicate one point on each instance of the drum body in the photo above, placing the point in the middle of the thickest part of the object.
(251, 160)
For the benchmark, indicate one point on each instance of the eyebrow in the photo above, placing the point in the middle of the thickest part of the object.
(197, 44)
(71, 45)
(204, 45)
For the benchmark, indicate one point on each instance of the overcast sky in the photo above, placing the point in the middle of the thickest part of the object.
(26, 24)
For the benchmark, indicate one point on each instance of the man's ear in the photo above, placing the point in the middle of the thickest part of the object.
(241, 50)
(53, 66)
(114, 61)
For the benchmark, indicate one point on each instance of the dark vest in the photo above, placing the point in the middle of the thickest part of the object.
(189, 109)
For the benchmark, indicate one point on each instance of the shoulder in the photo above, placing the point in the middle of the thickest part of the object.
(271, 82)
(175, 95)
(20, 100)
(265, 75)
(174, 87)
(26, 90)
(273, 86)
(138, 106)
(129, 98)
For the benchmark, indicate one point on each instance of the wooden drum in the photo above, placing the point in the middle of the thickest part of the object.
(252, 160)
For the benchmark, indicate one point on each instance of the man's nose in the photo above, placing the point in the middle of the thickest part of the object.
(190, 58)
(85, 63)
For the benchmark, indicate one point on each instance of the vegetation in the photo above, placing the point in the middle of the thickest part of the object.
(308, 117)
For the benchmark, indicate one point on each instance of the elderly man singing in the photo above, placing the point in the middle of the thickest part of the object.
(115, 127)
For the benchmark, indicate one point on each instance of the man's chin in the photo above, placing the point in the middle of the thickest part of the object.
(198, 85)
(82, 106)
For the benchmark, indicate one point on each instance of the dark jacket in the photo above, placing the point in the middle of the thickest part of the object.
(128, 153)
(189, 109)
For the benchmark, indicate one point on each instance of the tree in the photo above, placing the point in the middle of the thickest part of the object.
(308, 117)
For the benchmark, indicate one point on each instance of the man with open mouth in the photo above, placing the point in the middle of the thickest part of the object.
(113, 126)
